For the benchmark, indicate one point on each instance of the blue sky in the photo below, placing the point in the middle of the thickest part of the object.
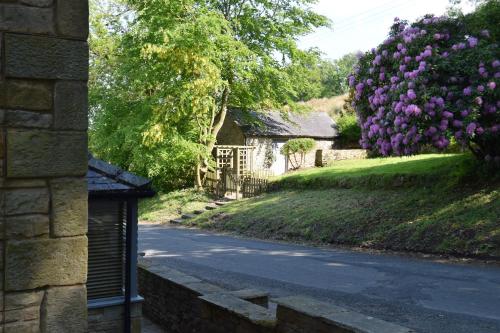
(363, 24)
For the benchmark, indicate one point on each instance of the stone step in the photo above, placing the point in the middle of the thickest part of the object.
(198, 211)
(221, 203)
(176, 221)
(211, 207)
(188, 216)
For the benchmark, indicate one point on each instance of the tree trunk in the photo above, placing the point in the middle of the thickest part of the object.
(214, 131)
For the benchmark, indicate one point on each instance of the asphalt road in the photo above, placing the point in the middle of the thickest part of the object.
(421, 294)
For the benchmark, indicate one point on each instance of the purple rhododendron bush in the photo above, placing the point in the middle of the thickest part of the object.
(430, 83)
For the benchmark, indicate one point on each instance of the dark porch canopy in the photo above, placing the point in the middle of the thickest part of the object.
(104, 179)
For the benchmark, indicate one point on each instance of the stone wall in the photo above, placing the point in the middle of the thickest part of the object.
(344, 154)
(109, 319)
(183, 304)
(43, 161)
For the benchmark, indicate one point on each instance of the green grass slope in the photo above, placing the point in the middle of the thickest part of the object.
(167, 206)
(428, 203)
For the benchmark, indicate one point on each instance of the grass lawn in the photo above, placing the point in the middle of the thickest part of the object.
(166, 206)
(421, 170)
(427, 203)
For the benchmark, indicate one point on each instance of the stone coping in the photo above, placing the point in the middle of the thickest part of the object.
(243, 309)
(337, 316)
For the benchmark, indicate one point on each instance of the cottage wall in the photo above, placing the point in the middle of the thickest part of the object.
(43, 161)
(230, 134)
(267, 154)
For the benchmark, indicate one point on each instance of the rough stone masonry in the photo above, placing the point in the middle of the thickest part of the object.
(43, 161)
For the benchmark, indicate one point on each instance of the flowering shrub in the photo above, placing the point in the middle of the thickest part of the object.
(429, 83)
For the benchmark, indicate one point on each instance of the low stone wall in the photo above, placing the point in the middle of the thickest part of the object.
(332, 155)
(184, 304)
(109, 319)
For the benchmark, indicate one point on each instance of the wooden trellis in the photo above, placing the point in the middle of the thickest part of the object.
(239, 158)
(235, 175)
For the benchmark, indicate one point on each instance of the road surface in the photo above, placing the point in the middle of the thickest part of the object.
(421, 294)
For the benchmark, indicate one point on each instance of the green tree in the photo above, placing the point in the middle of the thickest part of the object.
(181, 64)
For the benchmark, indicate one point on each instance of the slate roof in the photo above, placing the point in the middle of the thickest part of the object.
(106, 179)
(317, 125)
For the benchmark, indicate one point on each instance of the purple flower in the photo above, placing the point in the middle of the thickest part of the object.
(445, 55)
(471, 128)
(381, 76)
(464, 113)
(480, 88)
(407, 59)
(457, 123)
(485, 33)
(472, 41)
(437, 36)
(400, 46)
(369, 82)
(479, 101)
(495, 63)
(440, 101)
(351, 81)
(492, 85)
(468, 91)
(384, 53)
(411, 94)
(479, 130)
(447, 114)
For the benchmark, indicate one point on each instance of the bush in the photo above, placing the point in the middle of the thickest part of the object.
(296, 147)
(349, 130)
(430, 82)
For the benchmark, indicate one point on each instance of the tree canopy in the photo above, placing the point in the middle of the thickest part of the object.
(164, 73)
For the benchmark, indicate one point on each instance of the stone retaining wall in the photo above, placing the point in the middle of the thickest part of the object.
(184, 304)
(43, 161)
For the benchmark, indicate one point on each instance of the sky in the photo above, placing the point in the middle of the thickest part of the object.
(359, 25)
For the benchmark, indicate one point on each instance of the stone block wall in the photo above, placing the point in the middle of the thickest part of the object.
(331, 156)
(43, 161)
(184, 304)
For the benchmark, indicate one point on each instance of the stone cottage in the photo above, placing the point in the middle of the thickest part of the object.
(268, 132)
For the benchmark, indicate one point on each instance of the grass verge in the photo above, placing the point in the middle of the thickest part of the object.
(166, 206)
(425, 204)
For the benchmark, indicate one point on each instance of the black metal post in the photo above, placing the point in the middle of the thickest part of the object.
(128, 262)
